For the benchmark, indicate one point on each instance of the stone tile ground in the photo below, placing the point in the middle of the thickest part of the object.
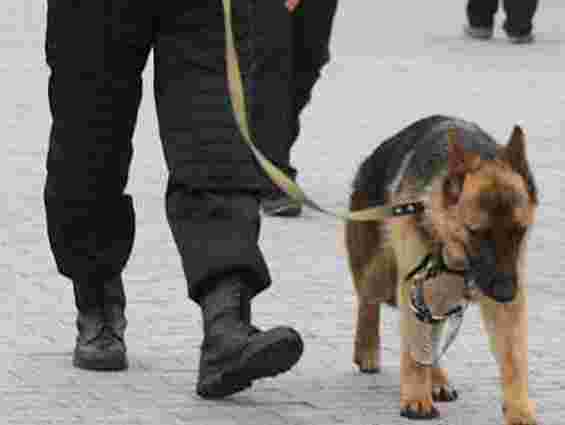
(391, 65)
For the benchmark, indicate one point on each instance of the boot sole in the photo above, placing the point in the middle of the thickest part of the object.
(291, 211)
(111, 363)
(478, 33)
(281, 208)
(277, 353)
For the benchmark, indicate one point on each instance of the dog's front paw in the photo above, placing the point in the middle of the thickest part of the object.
(441, 389)
(418, 409)
(520, 415)
(444, 392)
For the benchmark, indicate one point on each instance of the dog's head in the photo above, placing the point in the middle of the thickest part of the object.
(487, 208)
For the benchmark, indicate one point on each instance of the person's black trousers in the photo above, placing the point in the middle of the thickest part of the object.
(519, 14)
(290, 50)
(96, 52)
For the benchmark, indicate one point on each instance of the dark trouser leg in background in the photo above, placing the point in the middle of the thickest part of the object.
(211, 199)
(274, 119)
(94, 93)
(290, 51)
(313, 23)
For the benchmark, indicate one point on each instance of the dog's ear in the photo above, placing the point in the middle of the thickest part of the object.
(455, 155)
(514, 153)
(459, 163)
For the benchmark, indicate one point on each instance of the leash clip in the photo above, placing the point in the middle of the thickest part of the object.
(408, 208)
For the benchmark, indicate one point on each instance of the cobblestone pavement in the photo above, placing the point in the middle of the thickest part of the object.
(390, 67)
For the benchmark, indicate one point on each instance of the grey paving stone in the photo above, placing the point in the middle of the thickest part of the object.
(391, 65)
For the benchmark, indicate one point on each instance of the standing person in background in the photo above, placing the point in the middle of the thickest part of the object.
(290, 51)
(518, 25)
(96, 52)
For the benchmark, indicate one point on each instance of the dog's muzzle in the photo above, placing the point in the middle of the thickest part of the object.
(501, 287)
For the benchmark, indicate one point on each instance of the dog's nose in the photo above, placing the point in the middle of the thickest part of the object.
(500, 286)
(503, 287)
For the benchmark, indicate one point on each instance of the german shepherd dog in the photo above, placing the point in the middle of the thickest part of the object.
(476, 216)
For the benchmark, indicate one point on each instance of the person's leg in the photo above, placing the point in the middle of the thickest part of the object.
(212, 198)
(96, 52)
(313, 22)
(480, 17)
(217, 235)
(274, 121)
(290, 51)
(519, 17)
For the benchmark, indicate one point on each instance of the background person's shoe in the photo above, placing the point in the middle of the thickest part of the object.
(478, 33)
(234, 353)
(521, 39)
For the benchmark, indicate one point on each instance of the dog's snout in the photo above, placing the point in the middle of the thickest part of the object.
(501, 287)
(504, 287)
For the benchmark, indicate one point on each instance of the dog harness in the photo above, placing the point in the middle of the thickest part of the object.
(432, 334)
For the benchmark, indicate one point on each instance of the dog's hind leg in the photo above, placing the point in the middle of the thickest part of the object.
(506, 325)
(367, 336)
(374, 286)
(372, 267)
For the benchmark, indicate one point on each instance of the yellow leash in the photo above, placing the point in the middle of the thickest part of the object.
(286, 184)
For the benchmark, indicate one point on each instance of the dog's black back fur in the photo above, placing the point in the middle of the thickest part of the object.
(428, 139)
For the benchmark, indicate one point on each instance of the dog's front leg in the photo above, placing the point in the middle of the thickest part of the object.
(415, 382)
(508, 332)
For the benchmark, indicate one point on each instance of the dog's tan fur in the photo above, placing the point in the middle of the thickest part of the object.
(493, 199)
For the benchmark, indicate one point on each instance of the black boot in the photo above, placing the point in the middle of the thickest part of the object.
(234, 353)
(101, 324)
(279, 204)
(115, 321)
